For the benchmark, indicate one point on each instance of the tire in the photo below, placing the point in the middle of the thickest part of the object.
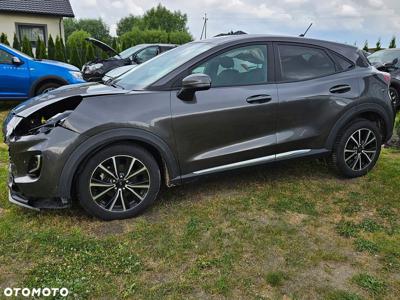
(47, 87)
(351, 158)
(127, 194)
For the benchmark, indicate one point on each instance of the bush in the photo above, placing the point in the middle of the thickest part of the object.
(16, 44)
(51, 50)
(40, 49)
(27, 47)
(59, 50)
(3, 39)
(77, 47)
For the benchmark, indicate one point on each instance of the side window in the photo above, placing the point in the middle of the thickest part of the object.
(302, 63)
(5, 57)
(146, 54)
(343, 63)
(240, 66)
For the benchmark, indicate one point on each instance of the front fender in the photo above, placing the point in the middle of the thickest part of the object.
(102, 139)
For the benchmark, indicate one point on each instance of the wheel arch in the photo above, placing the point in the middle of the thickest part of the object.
(152, 143)
(42, 80)
(370, 111)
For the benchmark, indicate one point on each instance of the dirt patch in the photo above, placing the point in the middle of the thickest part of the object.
(108, 229)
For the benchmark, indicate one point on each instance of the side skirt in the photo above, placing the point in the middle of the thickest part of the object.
(252, 162)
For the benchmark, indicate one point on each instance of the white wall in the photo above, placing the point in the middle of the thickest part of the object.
(8, 21)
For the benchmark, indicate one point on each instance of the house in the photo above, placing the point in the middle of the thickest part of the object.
(33, 18)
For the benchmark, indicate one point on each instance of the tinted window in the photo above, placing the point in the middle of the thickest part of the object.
(240, 66)
(5, 57)
(302, 63)
(146, 54)
(342, 62)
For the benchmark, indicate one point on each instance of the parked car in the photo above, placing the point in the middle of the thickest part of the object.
(117, 72)
(96, 69)
(388, 61)
(205, 107)
(22, 76)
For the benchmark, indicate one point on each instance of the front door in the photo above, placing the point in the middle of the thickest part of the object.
(233, 123)
(14, 79)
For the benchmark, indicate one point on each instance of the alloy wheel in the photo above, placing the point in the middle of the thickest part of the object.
(394, 96)
(360, 150)
(119, 183)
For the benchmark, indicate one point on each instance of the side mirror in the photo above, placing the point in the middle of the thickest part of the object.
(16, 61)
(193, 83)
(392, 64)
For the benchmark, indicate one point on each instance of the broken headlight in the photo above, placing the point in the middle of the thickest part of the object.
(48, 125)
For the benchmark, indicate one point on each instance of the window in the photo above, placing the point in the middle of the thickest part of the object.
(342, 62)
(146, 54)
(32, 32)
(5, 57)
(302, 63)
(240, 66)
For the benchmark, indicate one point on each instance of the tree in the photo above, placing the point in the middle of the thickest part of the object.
(4, 40)
(161, 18)
(59, 50)
(40, 49)
(16, 44)
(128, 23)
(26, 46)
(90, 54)
(51, 49)
(97, 28)
(157, 18)
(77, 45)
(393, 43)
(366, 48)
(378, 45)
(179, 37)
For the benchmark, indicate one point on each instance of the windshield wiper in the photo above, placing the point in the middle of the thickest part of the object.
(111, 82)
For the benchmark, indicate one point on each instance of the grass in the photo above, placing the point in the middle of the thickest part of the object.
(291, 230)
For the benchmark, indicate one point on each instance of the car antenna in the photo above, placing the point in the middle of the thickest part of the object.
(304, 34)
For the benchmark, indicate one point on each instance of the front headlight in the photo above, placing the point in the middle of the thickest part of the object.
(76, 74)
(93, 68)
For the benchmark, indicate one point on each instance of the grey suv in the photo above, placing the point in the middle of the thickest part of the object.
(204, 107)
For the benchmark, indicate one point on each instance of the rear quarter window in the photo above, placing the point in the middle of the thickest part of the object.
(343, 63)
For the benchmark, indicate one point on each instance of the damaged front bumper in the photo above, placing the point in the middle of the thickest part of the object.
(36, 163)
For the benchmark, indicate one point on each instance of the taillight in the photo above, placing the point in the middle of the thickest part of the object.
(387, 77)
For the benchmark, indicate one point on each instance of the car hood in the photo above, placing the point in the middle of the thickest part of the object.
(84, 90)
(103, 46)
(58, 64)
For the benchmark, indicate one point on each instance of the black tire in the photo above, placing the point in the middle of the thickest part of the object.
(345, 163)
(127, 204)
(44, 88)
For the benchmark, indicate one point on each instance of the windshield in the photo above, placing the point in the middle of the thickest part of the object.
(128, 52)
(18, 52)
(156, 68)
(384, 56)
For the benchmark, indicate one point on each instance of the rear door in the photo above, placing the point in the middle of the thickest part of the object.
(314, 85)
(233, 122)
(14, 79)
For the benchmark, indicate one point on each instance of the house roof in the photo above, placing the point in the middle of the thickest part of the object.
(61, 8)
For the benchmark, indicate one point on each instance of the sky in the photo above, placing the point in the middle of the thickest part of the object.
(351, 21)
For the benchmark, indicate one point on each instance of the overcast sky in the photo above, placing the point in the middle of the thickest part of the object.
(338, 20)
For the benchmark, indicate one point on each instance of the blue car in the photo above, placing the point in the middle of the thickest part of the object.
(22, 77)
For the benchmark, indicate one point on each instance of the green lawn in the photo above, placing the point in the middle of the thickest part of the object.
(291, 229)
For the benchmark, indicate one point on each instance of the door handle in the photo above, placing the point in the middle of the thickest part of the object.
(340, 89)
(258, 99)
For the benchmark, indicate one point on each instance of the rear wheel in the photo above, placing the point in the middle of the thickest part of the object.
(119, 182)
(357, 149)
(47, 87)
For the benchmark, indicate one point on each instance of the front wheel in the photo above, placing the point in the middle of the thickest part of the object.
(357, 149)
(47, 87)
(119, 182)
